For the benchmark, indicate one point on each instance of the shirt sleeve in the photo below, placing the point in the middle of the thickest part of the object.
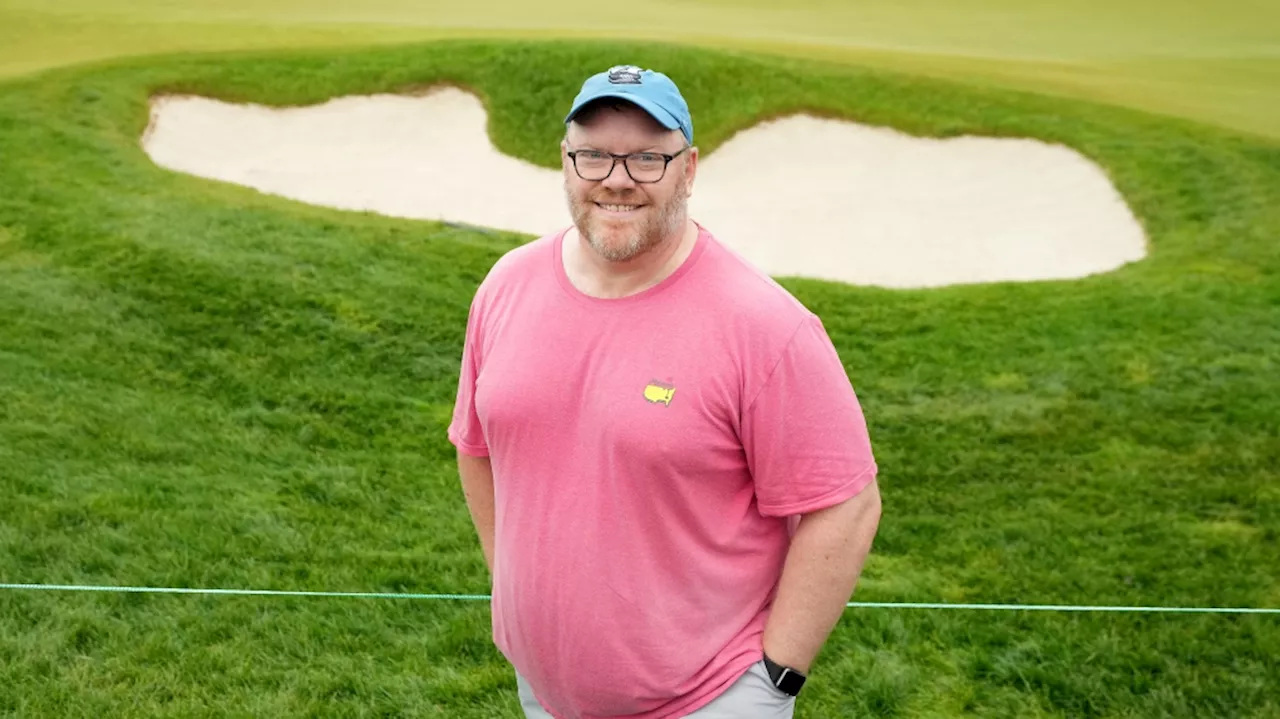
(804, 433)
(465, 430)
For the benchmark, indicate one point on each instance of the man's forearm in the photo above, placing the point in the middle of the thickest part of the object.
(822, 567)
(476, 474)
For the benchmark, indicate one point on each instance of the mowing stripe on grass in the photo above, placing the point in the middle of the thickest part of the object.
(486, 597)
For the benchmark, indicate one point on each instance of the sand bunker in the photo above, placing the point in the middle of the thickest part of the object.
(796, 196)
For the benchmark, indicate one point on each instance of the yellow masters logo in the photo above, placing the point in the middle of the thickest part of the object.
(659, 392)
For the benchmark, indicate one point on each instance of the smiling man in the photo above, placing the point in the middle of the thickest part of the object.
(666, 464)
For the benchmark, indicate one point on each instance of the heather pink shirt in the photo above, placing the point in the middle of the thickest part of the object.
(647, 453)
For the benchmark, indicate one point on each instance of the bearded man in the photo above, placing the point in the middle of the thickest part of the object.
(665, 462)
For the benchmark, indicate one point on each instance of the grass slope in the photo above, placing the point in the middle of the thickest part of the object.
(204, 386)
(1214, 62)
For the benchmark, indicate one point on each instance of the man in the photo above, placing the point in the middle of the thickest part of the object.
(667, 466)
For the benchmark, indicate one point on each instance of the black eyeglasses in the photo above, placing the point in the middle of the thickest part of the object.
(642, 167)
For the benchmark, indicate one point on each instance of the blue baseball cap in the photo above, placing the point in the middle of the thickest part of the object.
(651, 91)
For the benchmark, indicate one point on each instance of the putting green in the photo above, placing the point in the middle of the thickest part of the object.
(1217, 64)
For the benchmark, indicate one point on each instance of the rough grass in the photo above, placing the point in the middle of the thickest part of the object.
(1214, 62)
(204, 386)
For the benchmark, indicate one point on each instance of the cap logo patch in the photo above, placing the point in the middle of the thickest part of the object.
(624, 75)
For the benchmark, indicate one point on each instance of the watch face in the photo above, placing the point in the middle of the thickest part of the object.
(786, 680)
(791, 683)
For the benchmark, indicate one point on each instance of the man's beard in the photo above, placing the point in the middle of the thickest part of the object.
(659, 224)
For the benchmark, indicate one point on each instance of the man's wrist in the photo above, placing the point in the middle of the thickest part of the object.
(788, 680)
(781, 651)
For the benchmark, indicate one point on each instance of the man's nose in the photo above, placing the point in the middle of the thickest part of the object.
(618, 178)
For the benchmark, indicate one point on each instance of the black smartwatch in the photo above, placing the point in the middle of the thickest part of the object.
(786, 679)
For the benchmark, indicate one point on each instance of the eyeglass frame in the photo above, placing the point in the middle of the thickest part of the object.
(573, 155)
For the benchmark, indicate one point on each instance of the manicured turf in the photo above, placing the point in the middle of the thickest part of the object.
(1215, 62)
(204, 386)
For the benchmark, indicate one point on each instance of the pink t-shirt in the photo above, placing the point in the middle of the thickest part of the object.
(647, 455)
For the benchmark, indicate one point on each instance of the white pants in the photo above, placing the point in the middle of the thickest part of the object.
(753, 696)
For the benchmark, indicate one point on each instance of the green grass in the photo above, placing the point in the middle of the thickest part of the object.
(1214, 62)
(204, 386)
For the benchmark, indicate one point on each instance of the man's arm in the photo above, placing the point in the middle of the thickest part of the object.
(821, 570)
(477, 485)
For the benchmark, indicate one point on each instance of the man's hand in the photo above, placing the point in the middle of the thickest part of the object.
(821, 570)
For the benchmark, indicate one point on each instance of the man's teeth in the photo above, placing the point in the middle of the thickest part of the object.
(619, 208)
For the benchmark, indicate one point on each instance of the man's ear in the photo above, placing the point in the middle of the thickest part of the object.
(691, 172)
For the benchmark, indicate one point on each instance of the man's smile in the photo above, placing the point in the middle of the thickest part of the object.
(618, 209)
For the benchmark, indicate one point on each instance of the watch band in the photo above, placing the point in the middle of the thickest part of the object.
(786, 679)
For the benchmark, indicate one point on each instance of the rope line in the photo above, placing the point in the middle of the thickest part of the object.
(487, 597)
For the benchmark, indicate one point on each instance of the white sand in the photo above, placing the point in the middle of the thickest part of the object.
(796, 196)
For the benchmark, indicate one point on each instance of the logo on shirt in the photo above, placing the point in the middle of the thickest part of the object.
(659, 392)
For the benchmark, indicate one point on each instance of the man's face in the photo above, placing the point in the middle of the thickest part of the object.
(618, 217)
